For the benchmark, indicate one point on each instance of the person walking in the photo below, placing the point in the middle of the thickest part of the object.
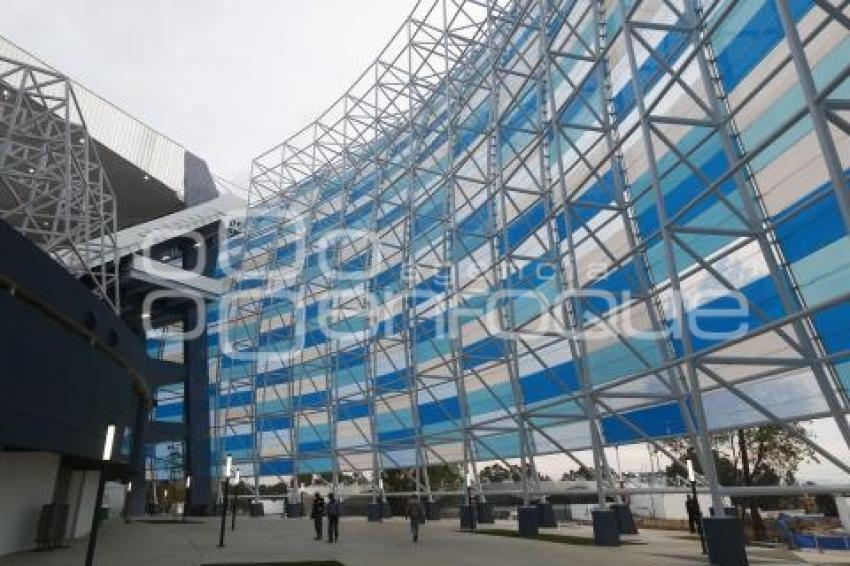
(416, 514)
(691, 508)
(317, 513)
(333, 511)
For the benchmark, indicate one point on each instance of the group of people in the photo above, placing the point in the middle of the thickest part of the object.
(332, 510)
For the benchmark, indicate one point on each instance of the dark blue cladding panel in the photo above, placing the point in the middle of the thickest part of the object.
(279, 467)
(439, 411)
(662, 420)
(320, 446)
(349, 358)
(834, 327)
(395, 381)
(315, 400)
(237, 442)
(275, 377)
(347, 411)
(544, 385)
(810, 224)
(404, 434)
(487, 350)
(759, 36)
(167, 411)
(236, 399)
(268, 424)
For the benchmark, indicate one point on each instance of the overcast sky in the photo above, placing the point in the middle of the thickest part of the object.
(227, 79)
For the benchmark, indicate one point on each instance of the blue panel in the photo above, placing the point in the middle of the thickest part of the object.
(523, 226)
(395, 381)
(268, 424)
(810, 224)
(347, 411)
(439, 411)
(753, 43)
(238, 442)
(486, 350)
(277, 467)
(319, 399)
(396, 435)
(236, 399)
(544, 385)
(168, 411)
(654, 422)
(276, 377)
(313, 447)
(349, 358)
(834, 327)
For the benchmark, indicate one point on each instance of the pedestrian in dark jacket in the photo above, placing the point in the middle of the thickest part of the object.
(416, 514)
(317, 513)
(333, 511)
(691, 507)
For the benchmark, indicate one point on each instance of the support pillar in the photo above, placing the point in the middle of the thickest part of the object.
(724, 537)
(625, 520)
(605, 529)
(528, 518)
(197, 407)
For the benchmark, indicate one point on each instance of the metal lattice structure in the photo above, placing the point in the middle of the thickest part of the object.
(52, 186)
(496, 244)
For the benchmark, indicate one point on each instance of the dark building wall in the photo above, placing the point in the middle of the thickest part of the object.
(68, 365)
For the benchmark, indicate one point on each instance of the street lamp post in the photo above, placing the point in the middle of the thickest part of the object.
(235, 499)
(693, 479)
(108, 442)
(186, 496)
(127, 502)
(470, 500)
(228, 465)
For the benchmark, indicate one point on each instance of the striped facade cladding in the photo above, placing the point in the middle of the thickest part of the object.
(636, 157)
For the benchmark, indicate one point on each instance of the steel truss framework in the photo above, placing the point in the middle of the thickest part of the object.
(494, 136)
(52, 186)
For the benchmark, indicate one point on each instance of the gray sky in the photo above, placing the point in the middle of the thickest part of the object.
(227, 79)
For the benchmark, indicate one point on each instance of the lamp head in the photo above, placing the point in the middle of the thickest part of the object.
(108, 442)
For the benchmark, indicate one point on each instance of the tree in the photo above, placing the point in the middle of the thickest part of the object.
(768, 455)
(583, 473)
(304, 479)
(445, 476)
(275, 489)
(776, 452)
(495, 473)
(396, 480)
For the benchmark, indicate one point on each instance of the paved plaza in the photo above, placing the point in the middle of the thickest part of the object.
(275, 540)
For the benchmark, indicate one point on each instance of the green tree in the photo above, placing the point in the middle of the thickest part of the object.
(396, 480)
(583, 473)
(759, 456)
(445, 476)
(274, 489)
(495, 473)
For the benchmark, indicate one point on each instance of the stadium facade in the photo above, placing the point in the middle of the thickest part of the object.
(544, 227)
(530, 228)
